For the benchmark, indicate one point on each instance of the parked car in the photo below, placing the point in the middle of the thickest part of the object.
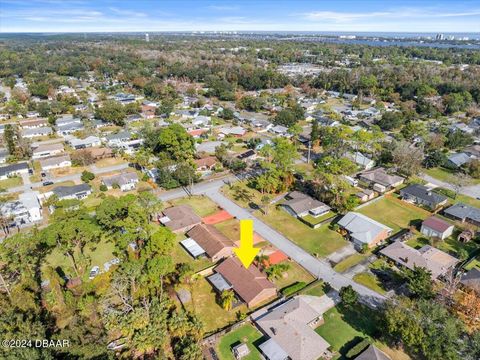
(46, 183)
(94, 272)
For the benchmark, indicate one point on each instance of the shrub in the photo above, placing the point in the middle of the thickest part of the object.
(292, 289)
(87, 176)
(357, 349)
(103, 187)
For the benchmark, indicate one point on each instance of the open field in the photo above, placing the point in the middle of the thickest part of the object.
(294, 274)
(11, 182)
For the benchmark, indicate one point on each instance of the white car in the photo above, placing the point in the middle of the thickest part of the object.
(94, 272)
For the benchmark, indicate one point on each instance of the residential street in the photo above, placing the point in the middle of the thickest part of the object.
(74, 177)
(317, 267)
(472, 191)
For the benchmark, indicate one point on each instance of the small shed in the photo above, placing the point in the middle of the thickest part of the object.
(184, 296)
(466, 235)
(192, 248)
(240, 351)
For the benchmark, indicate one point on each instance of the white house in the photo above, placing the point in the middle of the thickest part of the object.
(36, 132)
(13, 169)
(89, 141)
(25, 210)
(126, 181)
(47, 150)
(56, 162)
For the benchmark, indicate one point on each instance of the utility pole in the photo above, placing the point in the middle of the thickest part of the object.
(309, 150)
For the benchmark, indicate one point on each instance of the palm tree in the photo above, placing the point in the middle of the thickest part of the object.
(227, 297)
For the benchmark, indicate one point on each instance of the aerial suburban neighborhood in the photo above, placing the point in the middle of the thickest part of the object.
(228, 195)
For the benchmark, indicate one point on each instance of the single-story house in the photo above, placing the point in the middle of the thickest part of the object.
(361, 160)
(100, 153)
(126, 181)
(372, 353)
(436, 261)
(119, 138)
(463, 212)
(47, 150)
(279, 130)
(13, 169)
(180, 219)
(364, 231)
(79, 192)
(380, 180)
(299, 204)
(25, 210)
(290, 329)
(208, 146)
(422, 195)
(206, 163)
(55, 162)
(36, 123)
(365, 195)
(36, 132)
(457, 160)
(471, 280)
(237, 131)
(436, 227)
(250, 285)
(213, 242)
(89, 141)
(247, 155)
(67, 119)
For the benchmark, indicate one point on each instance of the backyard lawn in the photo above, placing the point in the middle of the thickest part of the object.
(204, 305)
(394, 213)
(244, 334)
(316, 220)
(317, 289)
(450, 245)
(202, 205)
(370, 281)
(180, 255)
(321, 241)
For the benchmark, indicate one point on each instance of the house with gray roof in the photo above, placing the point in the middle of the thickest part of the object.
(13, 169)
(380, 180)
(126, 181)
(364, 231)
(89, 141)
(464, 213)
(422, 195)
(37, 132)
(471, 280)
(299, 205)
(79, 192)
(372, 353)
(290, 328)
(457, 160)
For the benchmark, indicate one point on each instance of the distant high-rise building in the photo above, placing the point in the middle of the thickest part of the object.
(147, 38)
(440, 37)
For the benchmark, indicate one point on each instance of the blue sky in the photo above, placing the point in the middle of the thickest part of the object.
(241, 15)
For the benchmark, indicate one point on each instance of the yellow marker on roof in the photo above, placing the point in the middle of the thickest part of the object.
(246, 252)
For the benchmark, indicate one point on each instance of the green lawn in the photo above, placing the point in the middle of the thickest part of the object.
(294, 274)
(321, 241)
(444, 174)
(394, 213)
(475, 263)
(316, 289)
(316, 220)
(11, 182)
(244, 334)
(350, 261)
(204, 305)
(230, 228)
(343, 328)
(450, 245)
(201, 204)
(370, 281)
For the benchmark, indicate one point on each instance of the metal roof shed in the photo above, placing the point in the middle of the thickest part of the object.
(219, 282)
(192, 247)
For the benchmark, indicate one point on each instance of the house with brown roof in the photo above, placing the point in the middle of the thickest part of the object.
(439, 263)
(379, 180)
(250, 285)
(180, 218)
(213, 242)
(99, 153)
(436, 227)
(206, 163)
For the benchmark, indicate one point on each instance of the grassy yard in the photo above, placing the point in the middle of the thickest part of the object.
(450, 245)
(316, 220)
(350, 261)
(475, 263)
(202, 205)
(343, 328)
(45, 189)
(204, 305)
(245, 334)
(317, 289)
(294, 274)
(321, 241)
(180, 255)
(370, 281)
(11, 182)
(394, 213)
(230, 228)
(444, 174)
(109, 162)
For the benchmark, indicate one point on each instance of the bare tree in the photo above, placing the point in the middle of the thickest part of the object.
(458, 181)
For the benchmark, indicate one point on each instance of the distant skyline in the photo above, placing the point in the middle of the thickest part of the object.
(244, 15)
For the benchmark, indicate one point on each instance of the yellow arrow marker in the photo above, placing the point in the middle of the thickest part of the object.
(246, 252)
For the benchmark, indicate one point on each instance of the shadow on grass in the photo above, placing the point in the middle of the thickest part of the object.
(347, 346)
